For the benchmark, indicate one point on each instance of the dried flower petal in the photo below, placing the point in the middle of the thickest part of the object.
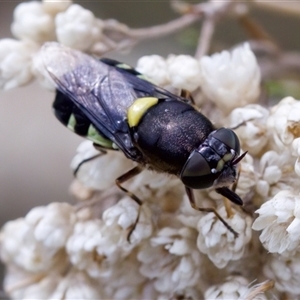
(78, 28)
(231, 79)
(215, 240)
(15, 62)
(33, 23)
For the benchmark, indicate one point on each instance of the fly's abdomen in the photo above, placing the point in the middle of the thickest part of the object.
(73, 118)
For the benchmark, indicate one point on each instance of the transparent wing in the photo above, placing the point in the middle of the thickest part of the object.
(101, 92)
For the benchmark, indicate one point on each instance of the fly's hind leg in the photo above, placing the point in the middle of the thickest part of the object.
(128, 175)
(191, 197)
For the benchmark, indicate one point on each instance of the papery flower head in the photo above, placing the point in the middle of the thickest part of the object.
(284, 122)
(34, 243)
(279, 220)
(235, 288)
(184, 72)
(285, 271)
(252, 128)
(32, 22)
(78, 28)
(171, 259)
(215, 240)
(15, 62)
(276, 173)
(155, 68)
(231, 80)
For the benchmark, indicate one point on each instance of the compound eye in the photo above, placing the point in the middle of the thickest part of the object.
(196, 173)
(229, 138)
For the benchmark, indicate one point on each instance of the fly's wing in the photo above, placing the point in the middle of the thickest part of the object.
(142, 86)
(101, 92)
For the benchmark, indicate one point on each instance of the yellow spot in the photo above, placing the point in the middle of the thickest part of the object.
(138, 109)
(227, 157)
(220, 165)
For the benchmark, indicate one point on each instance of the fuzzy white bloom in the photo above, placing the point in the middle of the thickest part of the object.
(32, 22)
(253, 132)
(77, 285)
(248, 177)
(171, 260)
(285, 271)
(53, 7)
(279, 220)
(19, 247)
(296, 152)
(15, 62)
(124, 214)
(95, 174)
(86, 248)
(78, 28)
(97, 245)
(21, 284)
(235, 288)
(53, 224)
(215, 240)
(184, 72)
(284, 122)
(155, 68)
(40, 72)
(231, 80)
(276, 173)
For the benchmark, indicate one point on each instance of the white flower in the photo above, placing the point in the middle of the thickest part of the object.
(215, 240)
(78, 28)
(53, 7)
(53, 224)
(235, 288)
(276, 173)
(19, 247)
(32, 23)
(99, 173)
(285, 271)
(84, 248)
(15, 62)
(231, 80)
(125, 213)
(184, 72)
(20, 284)
(41, 74)
(253, 134)
(247, 178)
(155, 68)
(77, 285)
(284, 122)
(296, 152)
(171, 260)
(279, 220)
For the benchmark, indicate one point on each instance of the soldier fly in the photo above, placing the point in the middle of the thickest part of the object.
(118, 109)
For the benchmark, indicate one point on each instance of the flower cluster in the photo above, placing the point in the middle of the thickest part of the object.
(107, 246)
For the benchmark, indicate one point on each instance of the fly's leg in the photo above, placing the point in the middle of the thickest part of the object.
(187, 95)
(128, 175)
(101, 152)
(191, 197)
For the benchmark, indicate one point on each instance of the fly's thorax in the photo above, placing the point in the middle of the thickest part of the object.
(212, 163)
(167, 133)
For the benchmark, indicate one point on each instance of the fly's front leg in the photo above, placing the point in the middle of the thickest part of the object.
(128, 175)
(102, 152)
(191, 197)
(187, 95)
